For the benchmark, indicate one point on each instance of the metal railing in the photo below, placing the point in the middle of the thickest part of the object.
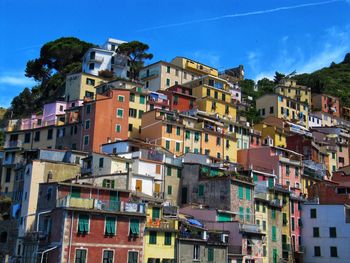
(13, 144)
(103, 205)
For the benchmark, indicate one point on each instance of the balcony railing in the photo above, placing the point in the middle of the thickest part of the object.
(13, 144)
(252, 228)
(103, 205)
(149, 74)
(97, 59)
(191, 235)
(235, 250)
(161, 224)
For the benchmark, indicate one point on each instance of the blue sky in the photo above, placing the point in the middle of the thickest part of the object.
(264, 36)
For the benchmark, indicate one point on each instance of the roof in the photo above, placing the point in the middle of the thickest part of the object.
(195, 61)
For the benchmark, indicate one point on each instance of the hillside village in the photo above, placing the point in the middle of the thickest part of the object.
(162, 168)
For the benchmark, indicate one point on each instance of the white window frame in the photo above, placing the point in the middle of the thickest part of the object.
(120, 130)
(108, 249)
(122, 113)
(77, 230)
(122, 97)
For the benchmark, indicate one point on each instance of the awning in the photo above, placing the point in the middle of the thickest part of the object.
(195, 222)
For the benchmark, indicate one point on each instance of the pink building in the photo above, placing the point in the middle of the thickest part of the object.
(284, 163)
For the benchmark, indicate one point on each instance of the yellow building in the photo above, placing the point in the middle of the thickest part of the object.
(137, 106)
(160, 235)
(284, 108)
(196, 67)
(213, 96)
(272, 127)
(290, 89)
(81, 85)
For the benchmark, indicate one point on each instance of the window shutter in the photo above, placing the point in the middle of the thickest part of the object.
(240, 192)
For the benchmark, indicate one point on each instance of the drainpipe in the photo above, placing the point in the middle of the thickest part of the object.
(47, 250)
(70, 236)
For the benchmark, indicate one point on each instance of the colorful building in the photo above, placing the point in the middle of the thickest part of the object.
(326, 103)
(180, 98)
(290, 89)
(284, 108)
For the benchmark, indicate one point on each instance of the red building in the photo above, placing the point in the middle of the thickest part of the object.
(326, 103)
(105, 119)
(180, 98)
(90, 224)
(255, 138)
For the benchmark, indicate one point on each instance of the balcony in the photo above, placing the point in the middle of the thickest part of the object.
(119, 62)
(250, 228)
(161, 224)
(286, 247)
(152, 73)
(102, 205)
(13, 144)
(192, 235)
(96, 59)
(235, 250)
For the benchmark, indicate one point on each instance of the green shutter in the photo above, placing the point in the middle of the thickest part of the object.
(241, 213)
(178, 173)
(274, 255)
(170, 190)
(274, 233)
(167, 238)
(155, 213)
(75, 192)
(224, 217)
(247, 193)
(271, 184)
(210, 254)
(255, 178)
(153, 237)
(142, 99)
(200, 190)
(248, 214)
(240, 192)
(187, 149)
(196, 136)
(134, 227)
(83, 223)
(188, 135)
(168, 171)
(167, 145)
(110, 226)
(177, 130)
(273, 213)
(177, 145)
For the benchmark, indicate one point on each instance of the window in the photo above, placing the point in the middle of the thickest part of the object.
(140, 114)
(83, 224)
(118, 128)
(273, 229)
(196, 251)
(86, 139)
(168, 171)
(208, 92)
(37, 136)
(121, 98)
(273, 213)
(241, 213)
(247, 193)
(153, 237)
(90, 82)
(87, 124)
(110, 226)
(223, 97)
(240, 192)
(80, 256)
(132, 97)
(216, 95)
(187, 135)
(134, 227)
(169, 128)
(167, 145)
(92, 66)
(107, 256)
(247, 216)
(263, 111)
(316, 232)
(264, 225)
(317, 251)
(49, 134)
(130, 127)
(133, 256)
(271, 110)
(201, 190)
(334, 252)
(88, 109)
(206, 137)
(178, 130)
(218, 141)
(27, 137)
(142, 99)
(187, 149)
(8, 175)
(313, 213)
(170, 190)
(168, 69)
(167, 238)
(100, 162)
(168, 82)
(177, 146)
(332, 232)
(287, 170)
(210, 254)
(120, 113)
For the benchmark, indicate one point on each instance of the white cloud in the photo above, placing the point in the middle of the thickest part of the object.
(15, 79)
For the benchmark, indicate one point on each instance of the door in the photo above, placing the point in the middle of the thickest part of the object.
(184, 195)
(138, 185)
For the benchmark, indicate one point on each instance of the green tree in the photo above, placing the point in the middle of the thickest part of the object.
(137, 53)
(265, 86)
(278, 77)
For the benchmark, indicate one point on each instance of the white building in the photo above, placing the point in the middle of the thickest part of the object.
(315, 120)
(326, 233)
(105, 58)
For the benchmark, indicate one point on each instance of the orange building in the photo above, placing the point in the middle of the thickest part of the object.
(105, 119)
